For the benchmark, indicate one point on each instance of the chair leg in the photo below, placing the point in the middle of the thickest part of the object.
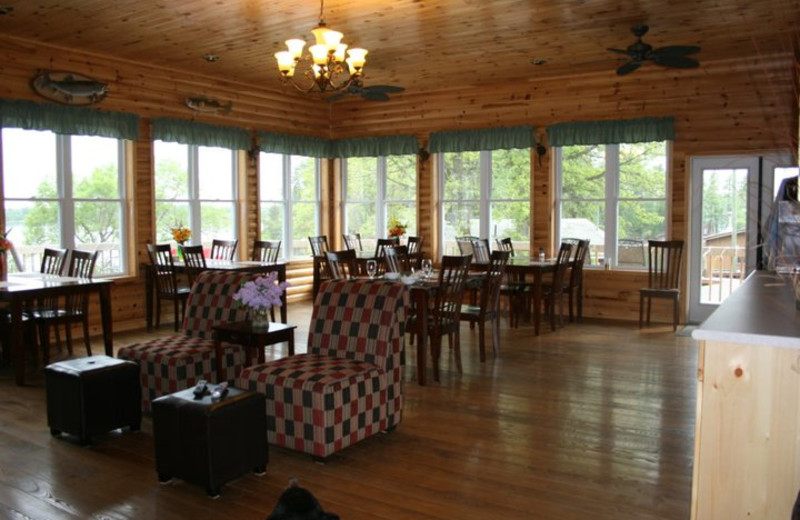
(641, 309)
(457, 350)
(175, 313)
(482, 340)
(68, 328)
(435, 344)
(674, 314)
(86, 335)
(579, 301)
(158, 311)
(571, 317)
(496, 336)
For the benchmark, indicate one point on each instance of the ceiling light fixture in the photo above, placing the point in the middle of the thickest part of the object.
(324, 68)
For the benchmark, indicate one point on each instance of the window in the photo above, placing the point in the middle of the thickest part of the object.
(486, 194)
(376, 190)
(615, 196)
(195, 187)
(65, 191)
(290, 201)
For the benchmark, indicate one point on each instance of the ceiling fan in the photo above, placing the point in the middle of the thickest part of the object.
(674, 56)
(373, 93)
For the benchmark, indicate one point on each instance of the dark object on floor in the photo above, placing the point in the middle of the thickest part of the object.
(92, 395)
(297, 503)
(210, 441)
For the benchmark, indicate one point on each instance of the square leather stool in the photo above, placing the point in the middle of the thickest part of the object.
(208, 442)
(92, 395)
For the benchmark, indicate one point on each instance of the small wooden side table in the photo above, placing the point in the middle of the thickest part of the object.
(243, 333)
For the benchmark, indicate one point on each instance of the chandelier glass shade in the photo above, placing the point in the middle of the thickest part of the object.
(328, 66)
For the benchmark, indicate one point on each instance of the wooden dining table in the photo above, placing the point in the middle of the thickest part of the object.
(528, 270)
(20, 288)
(250, 266)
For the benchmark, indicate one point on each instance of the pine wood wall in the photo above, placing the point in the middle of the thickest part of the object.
(722, 108)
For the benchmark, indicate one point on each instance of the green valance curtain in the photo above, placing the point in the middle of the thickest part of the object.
(276, 142)
(201, 134)
(375, 146)
(502, 138)
(68, 120)
(612, 132)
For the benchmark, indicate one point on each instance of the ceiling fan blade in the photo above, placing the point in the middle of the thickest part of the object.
(374, 96)
(676, 50)
(336, 97)
(628, 67)
(617, 50)
(677, 62)
(384, 88)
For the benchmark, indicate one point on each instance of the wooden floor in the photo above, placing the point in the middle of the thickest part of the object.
(593, 421)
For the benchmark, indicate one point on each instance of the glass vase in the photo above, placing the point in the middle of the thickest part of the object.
(180, 251)
(260, 318)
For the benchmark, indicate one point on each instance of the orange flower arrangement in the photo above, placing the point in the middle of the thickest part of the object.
(181, 234)
(5, 243)
(396, 228)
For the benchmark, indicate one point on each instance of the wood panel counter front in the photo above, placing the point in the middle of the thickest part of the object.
(747, 441)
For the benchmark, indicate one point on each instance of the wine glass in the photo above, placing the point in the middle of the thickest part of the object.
(372, 268)
(427, 267)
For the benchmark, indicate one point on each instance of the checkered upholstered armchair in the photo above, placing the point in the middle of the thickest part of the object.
(349, 385)
(177, 362)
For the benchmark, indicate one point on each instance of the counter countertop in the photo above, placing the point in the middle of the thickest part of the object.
(761, 312)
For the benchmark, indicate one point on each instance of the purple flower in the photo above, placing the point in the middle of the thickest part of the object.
(262, 293)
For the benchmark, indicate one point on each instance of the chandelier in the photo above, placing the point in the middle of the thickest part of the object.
(324, 68)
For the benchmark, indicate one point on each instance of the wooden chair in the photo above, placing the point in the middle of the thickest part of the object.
(353, 241)
(663, 276)
(574, 287)
(75, 309)
(397, 259)
(266, 251)
(511, 289)
(167, 287)
(319, 246)
(465, 244)
(488, 308)
(194, 260)
(554, 292)
(415, 251)
(223, 249)
(445, 312)
(380, 252)
(53, 261)
(342, 265)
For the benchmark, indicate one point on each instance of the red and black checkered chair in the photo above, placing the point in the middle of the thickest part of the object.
(349, 385)
(177, 362)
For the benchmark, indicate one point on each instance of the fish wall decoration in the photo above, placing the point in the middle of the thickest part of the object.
(204, 104)
(69, 88)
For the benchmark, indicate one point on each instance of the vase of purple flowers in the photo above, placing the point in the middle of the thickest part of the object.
(259, 296)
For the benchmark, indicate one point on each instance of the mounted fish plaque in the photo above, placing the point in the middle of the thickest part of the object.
(68, 88)
(204, 104)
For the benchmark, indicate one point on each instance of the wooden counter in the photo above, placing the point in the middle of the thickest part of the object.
(747, 443)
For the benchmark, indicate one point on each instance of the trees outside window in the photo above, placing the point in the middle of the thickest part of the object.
(615, 196)
(195, 187)
(377, 190)
(486, 194)
(289, 201)
(65, 191)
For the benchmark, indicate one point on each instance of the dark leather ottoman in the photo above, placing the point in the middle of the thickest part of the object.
(92, 395)
(210, 443)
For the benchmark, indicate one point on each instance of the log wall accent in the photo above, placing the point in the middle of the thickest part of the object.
(736, 107)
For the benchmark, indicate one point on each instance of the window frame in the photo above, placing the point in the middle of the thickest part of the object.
(66, 199)
(485, 200)
(611, 201)
(287, 202)
(381, 203)
(194, 202)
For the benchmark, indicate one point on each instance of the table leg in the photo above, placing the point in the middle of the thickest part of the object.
(148, 296)
(537, 300)
(282, 278)
(291, 344)
(422, 334)
(105, 315)
(16, 337)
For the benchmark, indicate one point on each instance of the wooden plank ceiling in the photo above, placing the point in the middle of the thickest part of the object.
(422, 45)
